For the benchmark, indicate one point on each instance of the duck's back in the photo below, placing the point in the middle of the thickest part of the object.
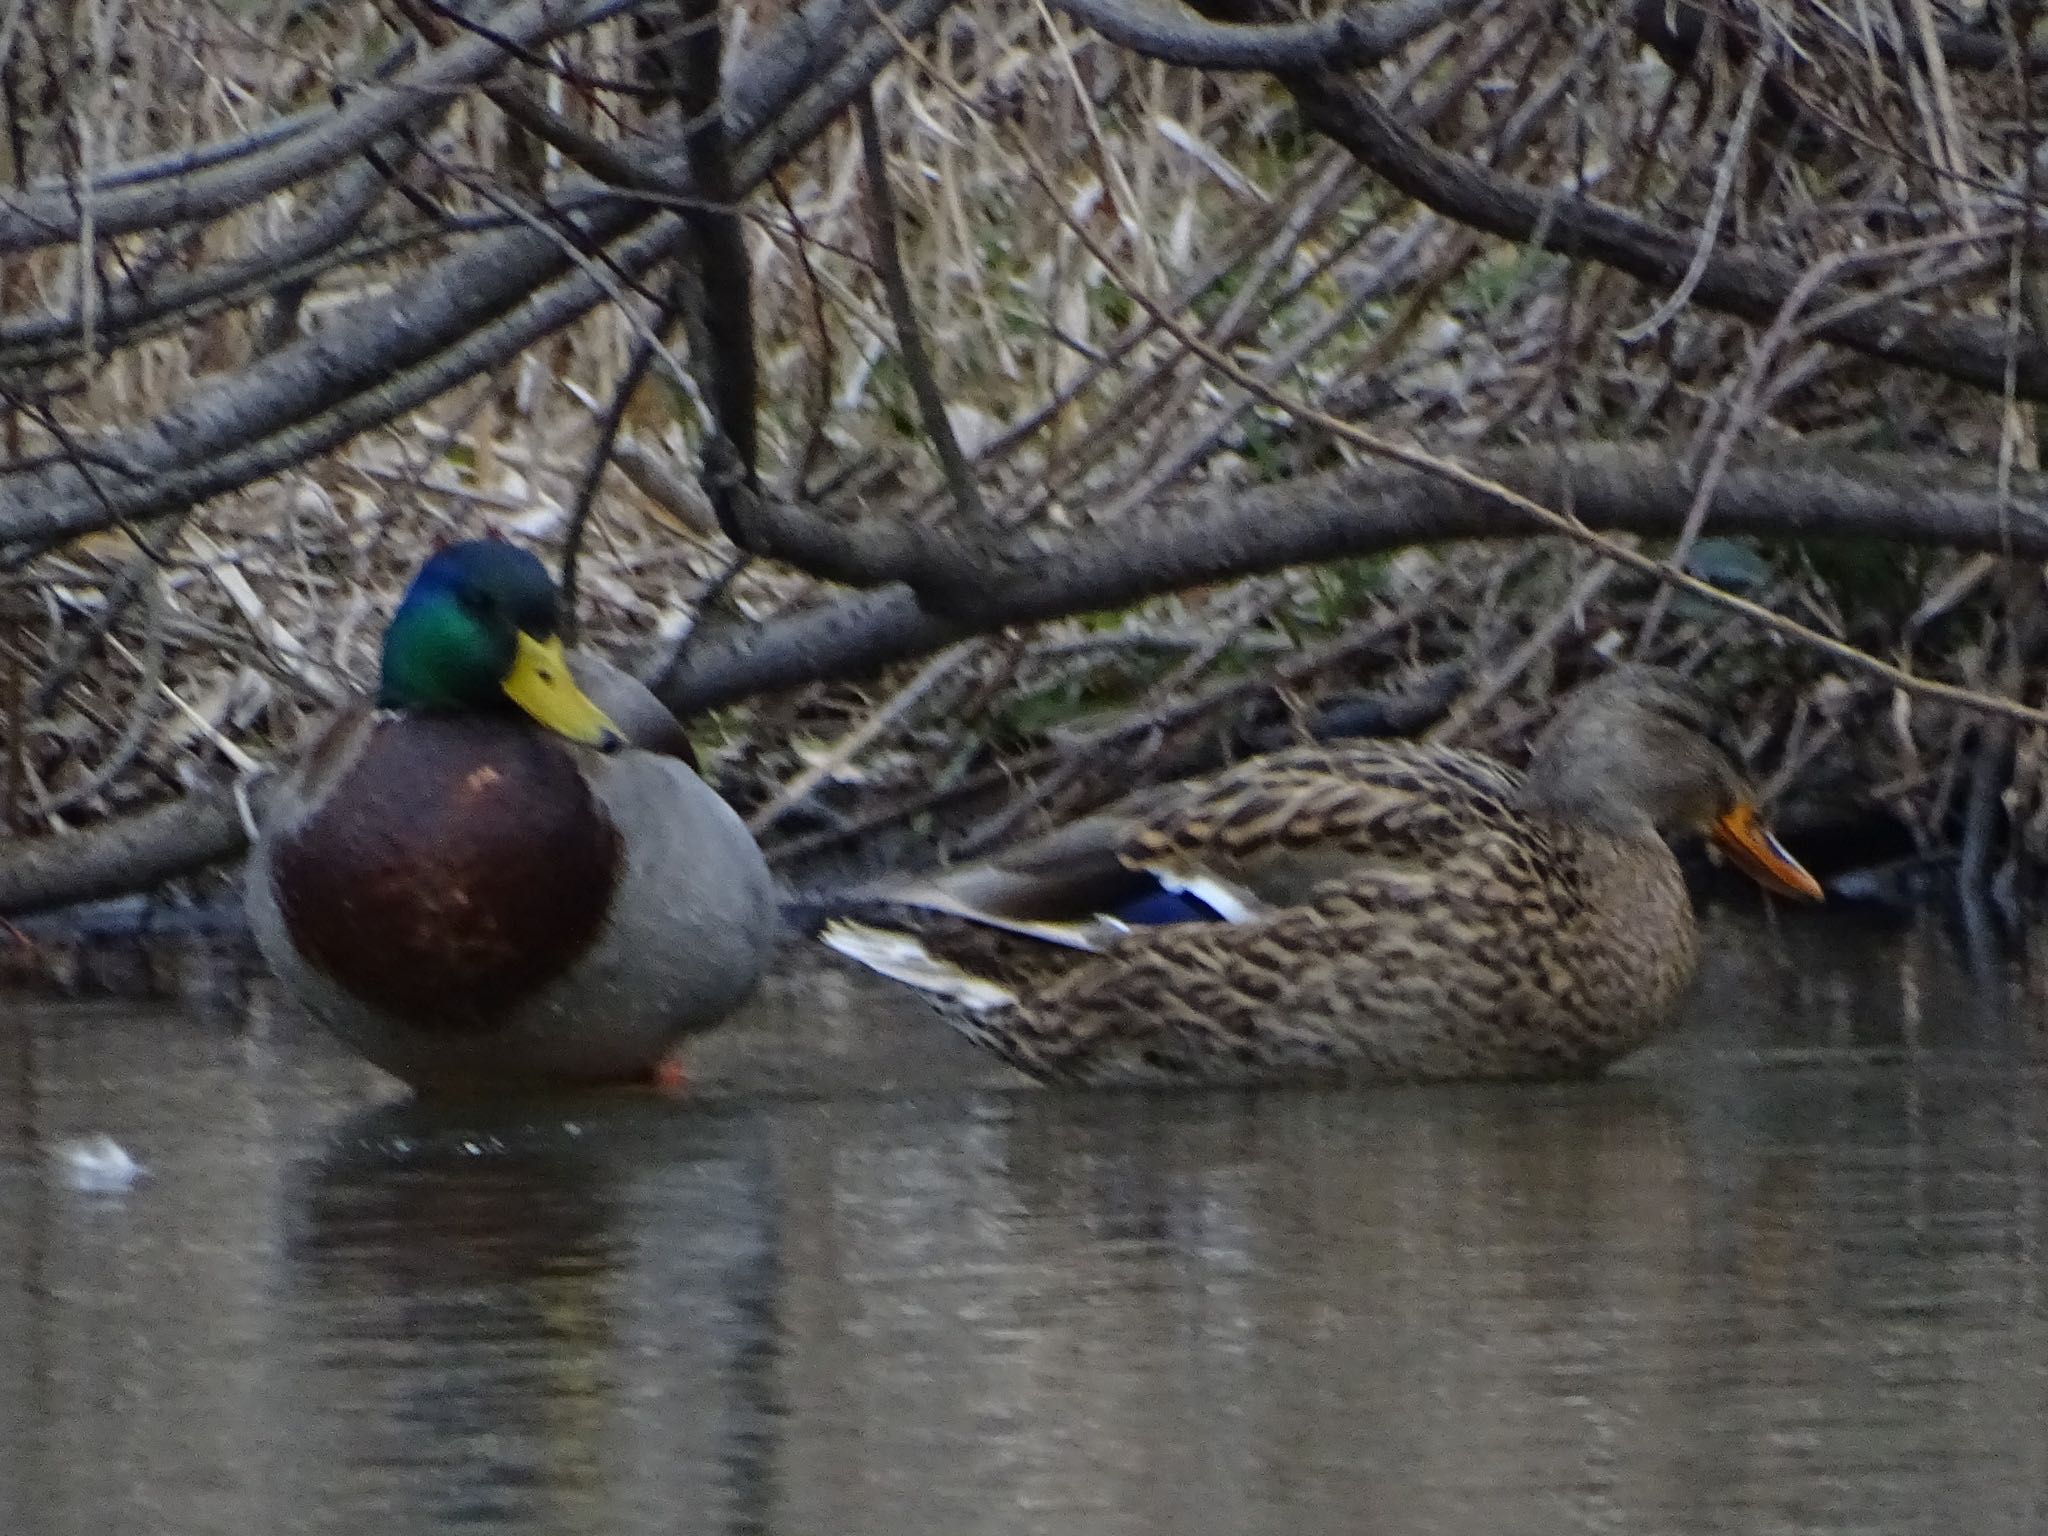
(1285, 822)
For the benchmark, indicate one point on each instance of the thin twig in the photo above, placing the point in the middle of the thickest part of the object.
(854, 742)
(645, 348)
(1741, 412)
(917, 362)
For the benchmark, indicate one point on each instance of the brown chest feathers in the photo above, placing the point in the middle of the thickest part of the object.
(457, 866)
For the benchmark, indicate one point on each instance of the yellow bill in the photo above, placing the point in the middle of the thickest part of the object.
(540, 684)
(1750, 847)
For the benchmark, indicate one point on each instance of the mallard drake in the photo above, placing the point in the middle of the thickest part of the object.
(1386, 911)
(507, 870)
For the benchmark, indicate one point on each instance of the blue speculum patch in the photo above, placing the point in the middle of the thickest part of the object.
(1158, 906)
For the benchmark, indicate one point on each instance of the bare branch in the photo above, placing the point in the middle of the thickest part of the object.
(288, 264)
(731, 372)
(917, 362)
(30, 221)
(1674, 28)
(128, 853)
(938, 569)
(1369, 510)
(1754, 287)
(1345, 39)
(199, 157)
(380, 358)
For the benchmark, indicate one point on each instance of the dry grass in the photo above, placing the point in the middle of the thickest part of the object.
(1216, 198)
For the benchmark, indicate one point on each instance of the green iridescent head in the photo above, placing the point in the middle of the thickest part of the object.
(478, 631)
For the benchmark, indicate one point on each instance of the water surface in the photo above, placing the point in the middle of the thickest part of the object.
(1784, 1272)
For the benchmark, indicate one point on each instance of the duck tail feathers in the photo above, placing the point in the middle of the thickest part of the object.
(902, 957)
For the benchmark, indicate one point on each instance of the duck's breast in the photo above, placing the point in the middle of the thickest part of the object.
(1627, 943)
(456, 867)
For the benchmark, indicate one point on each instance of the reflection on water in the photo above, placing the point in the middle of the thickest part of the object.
(1780, 1274)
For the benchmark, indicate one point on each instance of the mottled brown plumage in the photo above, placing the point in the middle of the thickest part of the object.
(1402, 913)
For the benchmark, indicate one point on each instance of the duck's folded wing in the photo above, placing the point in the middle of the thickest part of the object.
(1244, 842)
(1056, 887)
(1264, 834)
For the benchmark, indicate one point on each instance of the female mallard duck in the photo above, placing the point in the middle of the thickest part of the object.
(1387, 911)
(493, 877)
